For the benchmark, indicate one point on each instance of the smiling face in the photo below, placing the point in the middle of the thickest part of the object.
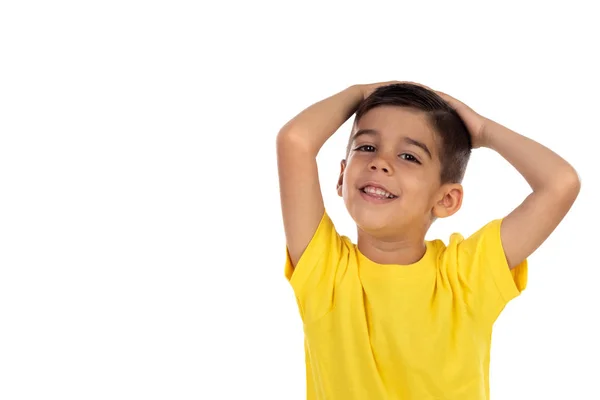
(390, 181)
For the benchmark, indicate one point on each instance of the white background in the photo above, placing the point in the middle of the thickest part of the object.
(141, 242)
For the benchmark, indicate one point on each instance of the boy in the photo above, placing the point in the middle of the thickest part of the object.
(395, 316)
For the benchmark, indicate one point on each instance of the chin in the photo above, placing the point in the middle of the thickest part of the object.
(371, 220)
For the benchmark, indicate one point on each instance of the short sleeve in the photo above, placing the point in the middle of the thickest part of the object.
(482, 265)
(313, 278)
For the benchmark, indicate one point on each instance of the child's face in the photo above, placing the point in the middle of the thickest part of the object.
(400, 154)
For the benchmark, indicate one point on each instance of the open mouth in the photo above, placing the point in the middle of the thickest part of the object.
(377, 192)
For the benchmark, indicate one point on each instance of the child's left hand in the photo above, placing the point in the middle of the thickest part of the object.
(475, 123)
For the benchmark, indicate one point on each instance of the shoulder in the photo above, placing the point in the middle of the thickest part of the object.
(488, 233)
(459, 245)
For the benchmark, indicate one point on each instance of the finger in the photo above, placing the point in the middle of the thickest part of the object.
(448, 98)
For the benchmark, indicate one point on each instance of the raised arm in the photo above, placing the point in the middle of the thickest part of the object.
(554, 182)
(298, 143)
(555, 186)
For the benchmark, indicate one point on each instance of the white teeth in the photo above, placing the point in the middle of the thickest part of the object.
(378, 191)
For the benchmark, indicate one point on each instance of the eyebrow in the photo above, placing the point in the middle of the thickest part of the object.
(406, 139)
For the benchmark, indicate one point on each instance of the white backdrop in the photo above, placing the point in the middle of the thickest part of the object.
(141, 242)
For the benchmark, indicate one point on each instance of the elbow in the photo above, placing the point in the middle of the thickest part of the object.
(569, 184)
(292, 141)
(574, 181)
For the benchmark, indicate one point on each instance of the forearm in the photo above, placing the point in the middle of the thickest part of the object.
(317, 123)
(543, 169)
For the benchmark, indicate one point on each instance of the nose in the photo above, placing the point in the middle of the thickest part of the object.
(379, 163)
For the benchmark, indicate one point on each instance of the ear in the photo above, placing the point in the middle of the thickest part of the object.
(341, 178)
(448, 200)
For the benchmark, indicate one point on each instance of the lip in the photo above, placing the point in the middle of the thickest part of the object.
(375, 200)
(377, 185)
(372, 199)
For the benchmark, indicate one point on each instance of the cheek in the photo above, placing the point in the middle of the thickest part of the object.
(414, 182)
(351, 171)
(349, 187)
(419, 187)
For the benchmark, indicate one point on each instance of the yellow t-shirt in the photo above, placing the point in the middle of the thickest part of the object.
(401, 332)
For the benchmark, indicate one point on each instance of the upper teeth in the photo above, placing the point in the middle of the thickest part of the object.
(378, 191)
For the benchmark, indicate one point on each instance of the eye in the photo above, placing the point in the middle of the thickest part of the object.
(409, 157)
(365, 147)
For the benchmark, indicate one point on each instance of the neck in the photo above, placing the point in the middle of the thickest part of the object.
(403, 250)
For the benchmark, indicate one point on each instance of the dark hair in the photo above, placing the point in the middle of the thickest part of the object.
(455, 147)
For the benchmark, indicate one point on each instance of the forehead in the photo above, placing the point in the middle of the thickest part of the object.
(397, 122)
